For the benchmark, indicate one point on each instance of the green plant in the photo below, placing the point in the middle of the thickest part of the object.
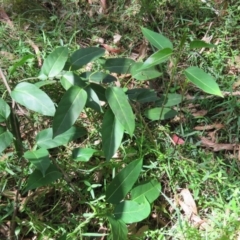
(85, 90)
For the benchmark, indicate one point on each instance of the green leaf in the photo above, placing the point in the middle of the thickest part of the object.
(69, 109)
(142, 95)
(88, 234)
(200, 44)
(98, 77)
(44, 83)
(54, 63)
(203, 81)
(112, 134)
(156, 39)
(4, 110)
(173, 99)
(36, 179)
(149, 190)
(39, 158)
(70, 79)
(121, 108)
(6, 138)
(159, 114)
(123, 182)
(93, 100)
(20, 63)
(99, 90)
(82, 154)
(33, 98)
(157, 58)
(143, 75)
(119, 65)
(83, 56)
(45, 138)
(119, 229)
(131, 211)
(147, 96)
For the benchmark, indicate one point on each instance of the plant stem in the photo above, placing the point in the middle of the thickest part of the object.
(19, 149)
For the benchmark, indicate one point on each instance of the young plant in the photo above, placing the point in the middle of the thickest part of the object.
(88, 90)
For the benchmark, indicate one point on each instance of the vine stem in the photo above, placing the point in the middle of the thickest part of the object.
(145, 126)
(19, 149)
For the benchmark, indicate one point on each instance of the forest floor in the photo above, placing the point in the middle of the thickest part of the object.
(200, 183)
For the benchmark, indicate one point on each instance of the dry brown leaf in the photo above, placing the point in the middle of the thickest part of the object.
(189, 202)
(142, 51)
(199, 223)
(104, 5)
(4, 18)
(111, 49)
(236, 84)
(209, 127)
(189, 207)
(141, 231)
(200, 113)
(37, 51)
(116, 38)
(7, 55)
(212, 135)
(217, 146)
(97, 39)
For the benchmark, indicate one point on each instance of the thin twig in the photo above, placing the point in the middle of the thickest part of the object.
(66, 178)
(224, 93)
(15, 211)
(9, 91)
(155, 23)
(145, 125)
(5, 81)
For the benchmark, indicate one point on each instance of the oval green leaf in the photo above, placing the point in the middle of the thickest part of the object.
(6, 138)
(203, 81)
(156, 39)
(173, 99)
(70, 79)
(119, 65)
(143, 75)
(33, 98)
(157, 58)
(123, 182)
(149, 190)
(39, 158)
(45, 138)
(98, 77)
(160, 114)
(99, 90)
(142, 95)
(69, 109)
(147, 96)
(121, 108)
(82, 154)
(54, 63)
(93, 100)
(44, 83)
(112, 134)
(131, 211)
(119, 229)
(4, 110)
(83, 56)
(36, 179)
